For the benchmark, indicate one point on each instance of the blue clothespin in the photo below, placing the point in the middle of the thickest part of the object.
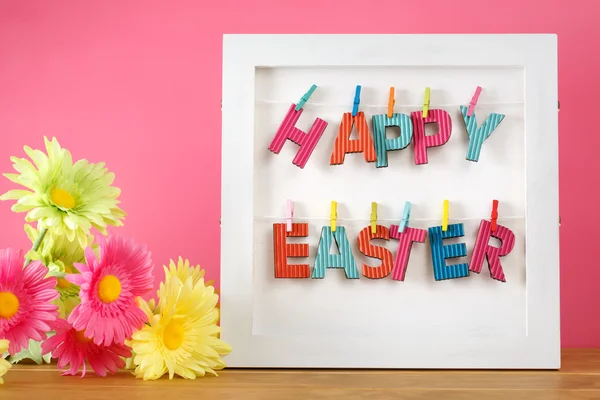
(305, 98)
(356, 101)
(405, 216)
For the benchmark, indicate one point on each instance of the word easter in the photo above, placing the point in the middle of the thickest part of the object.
(395, 266)
(375, 147)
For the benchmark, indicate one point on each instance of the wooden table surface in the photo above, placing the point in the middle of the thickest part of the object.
(579, 378)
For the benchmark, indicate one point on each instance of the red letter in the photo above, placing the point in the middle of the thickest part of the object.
(493, 254)
(283, 250)
(344, 145)
(422, 142)
(406, 238)
(369, 250)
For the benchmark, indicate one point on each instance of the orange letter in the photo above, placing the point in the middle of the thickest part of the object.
(283, 250)
(369, 250)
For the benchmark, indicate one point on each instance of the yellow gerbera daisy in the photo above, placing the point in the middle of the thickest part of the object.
(4, 365)
(182, 337)
(183, 270)
(58, 254)
(68, 198)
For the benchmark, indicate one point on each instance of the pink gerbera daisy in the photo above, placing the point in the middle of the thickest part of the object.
(26, 297)
(109, 285)
(70, 346)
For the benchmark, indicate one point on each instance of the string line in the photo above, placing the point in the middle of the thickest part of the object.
(313, 104)
(282, 218)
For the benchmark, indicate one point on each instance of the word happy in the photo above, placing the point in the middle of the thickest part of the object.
(390, 265)
(375, 147)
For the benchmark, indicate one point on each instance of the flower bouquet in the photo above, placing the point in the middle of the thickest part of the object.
(77, 295)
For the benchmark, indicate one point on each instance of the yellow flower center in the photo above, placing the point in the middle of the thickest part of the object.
(81, 337)
(62, 198)
(9, 305)
(62, 283)
(173, 335)
(109, 288)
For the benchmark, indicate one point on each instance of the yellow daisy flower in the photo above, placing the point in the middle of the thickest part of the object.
(183, 270)
(181, 339)
(67, 198)
(4, 365)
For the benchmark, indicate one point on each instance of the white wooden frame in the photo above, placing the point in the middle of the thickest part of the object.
(537, 54)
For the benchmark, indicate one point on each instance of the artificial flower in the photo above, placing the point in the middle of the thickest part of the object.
(183, 270)
(26, 296)
(58, 254)
(33, 352)
(181, 339)
(109, 286)
(67, 198)
(4, 365)
(72, 348)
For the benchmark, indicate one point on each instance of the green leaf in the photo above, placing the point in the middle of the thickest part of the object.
(33, 352)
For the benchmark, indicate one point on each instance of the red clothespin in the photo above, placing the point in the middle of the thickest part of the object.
(289, 215)
(474, 101)
(494, 215)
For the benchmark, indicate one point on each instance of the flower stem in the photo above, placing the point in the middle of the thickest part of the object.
(36, 244)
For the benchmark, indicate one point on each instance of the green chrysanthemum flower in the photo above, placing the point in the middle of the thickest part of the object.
(65, 198)
(58, 254)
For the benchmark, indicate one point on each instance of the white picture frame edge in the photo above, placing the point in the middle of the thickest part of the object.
(536, 53)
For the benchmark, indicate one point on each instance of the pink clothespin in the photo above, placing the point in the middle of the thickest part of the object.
(474, 101)
(289, 214)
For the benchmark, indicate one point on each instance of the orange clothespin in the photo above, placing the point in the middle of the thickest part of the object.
(494, 215)
(391, 103)
(373, 217)
(289, 215)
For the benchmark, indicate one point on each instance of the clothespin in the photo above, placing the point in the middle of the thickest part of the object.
(474, 101)
(445, 217)
(405, 216)
(333, 216)
(289, 214)
(373, 217)
(494, 215)
(391, 103)
(356, 101)
(426, 102)
(305, 98)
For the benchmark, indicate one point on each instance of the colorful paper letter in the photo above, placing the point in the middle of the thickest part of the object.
(283, 250)
(306, 141)
(484, 250)
(369, 250)
(406, 238)
(325, 259)
(343, 144)
(383, 145)
(440, 252)
(422, 142)
(477, 135)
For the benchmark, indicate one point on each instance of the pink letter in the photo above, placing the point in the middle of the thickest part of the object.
(306, 141)
(493, 254)
(422, 142)
(406, 238)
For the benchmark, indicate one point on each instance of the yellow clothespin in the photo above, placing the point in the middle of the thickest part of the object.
(445, 217)
(426, 103)
(391, 103)
(333, 216)
(373, 217)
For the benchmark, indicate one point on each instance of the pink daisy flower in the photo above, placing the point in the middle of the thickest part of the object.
(26, 297)
(109, 285)
(72, 347)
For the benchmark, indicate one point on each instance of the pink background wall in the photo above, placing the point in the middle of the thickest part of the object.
(138, 83)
